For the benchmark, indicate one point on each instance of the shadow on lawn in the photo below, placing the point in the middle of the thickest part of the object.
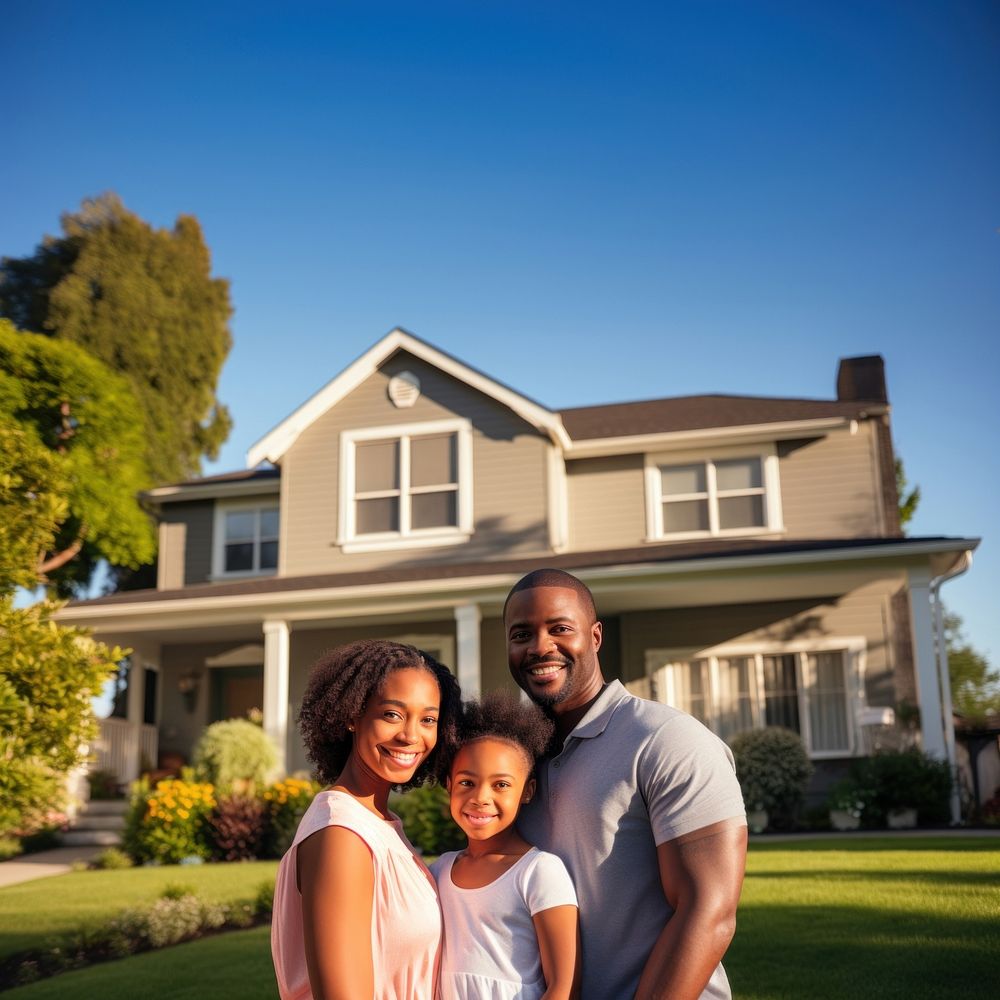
(827, 953)
(867, 843)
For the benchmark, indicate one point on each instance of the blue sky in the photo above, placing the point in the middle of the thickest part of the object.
(590, 202)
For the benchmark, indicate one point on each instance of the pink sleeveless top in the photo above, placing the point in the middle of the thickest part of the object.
(406, 917)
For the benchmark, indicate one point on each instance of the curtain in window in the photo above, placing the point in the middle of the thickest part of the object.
(828, 702)
(735, 699)
(781, 700)
(690, 685)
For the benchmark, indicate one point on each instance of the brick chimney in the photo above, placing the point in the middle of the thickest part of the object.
(862, 379)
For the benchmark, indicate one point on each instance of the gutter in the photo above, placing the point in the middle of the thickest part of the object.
(944, 677)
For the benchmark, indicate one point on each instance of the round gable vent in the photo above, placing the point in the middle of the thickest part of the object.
(404, 389)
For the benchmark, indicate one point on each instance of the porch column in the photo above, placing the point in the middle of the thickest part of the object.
(135, 697)
(925, 663)
(467, 619)
(276, 688)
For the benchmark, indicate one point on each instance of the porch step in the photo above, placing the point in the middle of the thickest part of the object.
(99, 824)
(90, 838)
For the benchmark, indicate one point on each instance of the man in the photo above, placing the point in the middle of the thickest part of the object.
(639, 800)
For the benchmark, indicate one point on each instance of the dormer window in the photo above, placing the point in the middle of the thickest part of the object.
(405, 486)
(246, 539)
(727, 492)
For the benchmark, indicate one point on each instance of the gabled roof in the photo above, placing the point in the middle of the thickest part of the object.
(275, 443)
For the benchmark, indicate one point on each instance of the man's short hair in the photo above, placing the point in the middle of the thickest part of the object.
(555, 578)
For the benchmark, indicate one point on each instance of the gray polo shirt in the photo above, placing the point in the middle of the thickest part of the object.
(632, 774)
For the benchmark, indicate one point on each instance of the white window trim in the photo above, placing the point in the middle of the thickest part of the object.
(855, 649)
(219, 537)
(768, 453)
(413, 537)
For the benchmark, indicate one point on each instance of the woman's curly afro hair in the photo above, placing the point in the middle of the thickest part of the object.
(342, 681)
(500, 715)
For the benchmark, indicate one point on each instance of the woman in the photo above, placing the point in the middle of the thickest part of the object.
(356, 915)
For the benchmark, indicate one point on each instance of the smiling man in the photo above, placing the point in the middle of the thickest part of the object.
(639, 800)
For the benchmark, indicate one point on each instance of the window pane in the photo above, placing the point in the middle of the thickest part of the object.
(685, 515)
(738, 474)
(432, 460)
(781, 703)
(269, 522)
(828, 702)
(239, 556)
(691, 689)
(678, 479)
(268, 555)
(741, 512)
(735, 709)
(376, 466)
(240, 525)
(378, 515)
(433, 510)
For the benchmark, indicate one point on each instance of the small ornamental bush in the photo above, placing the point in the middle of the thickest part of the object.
(286, 801)
(237, 828)
(234, 756)
(773, 770)
(169, 823)
(112, 859)
(909, 779)
(427, 820)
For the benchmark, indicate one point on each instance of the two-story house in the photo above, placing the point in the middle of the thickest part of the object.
(745, 554)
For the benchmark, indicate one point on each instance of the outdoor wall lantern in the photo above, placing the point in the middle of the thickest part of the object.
(188, 685)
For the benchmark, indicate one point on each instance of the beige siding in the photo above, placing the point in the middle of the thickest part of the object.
(864, 612)
(829, 486)
(494, 675)
(196, 517)
(607, 506)
(170, 555)
(509, 481)
(179, 728)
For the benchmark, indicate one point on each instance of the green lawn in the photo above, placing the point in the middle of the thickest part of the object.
(823, 919)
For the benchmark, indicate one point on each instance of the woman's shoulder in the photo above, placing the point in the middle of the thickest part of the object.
(335, 808)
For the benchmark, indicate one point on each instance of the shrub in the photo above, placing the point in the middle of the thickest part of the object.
(168, 823)
(902, 780)
(427, 820)
(263, 900)
(10, 847)
(234, 756)
(286, 801)
(103, 785)
(237, 828)
(773, 770)
(112, 858)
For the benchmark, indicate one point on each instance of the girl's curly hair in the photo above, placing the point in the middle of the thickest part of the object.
(500, 715)
(340, 684)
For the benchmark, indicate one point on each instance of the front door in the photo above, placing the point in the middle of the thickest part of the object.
(236, 692)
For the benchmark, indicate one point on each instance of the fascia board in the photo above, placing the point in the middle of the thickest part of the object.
(207, 491)
(777, 431)
(273, 445)
(428, 594)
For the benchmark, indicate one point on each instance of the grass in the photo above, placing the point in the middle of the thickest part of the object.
(32, 912)
(821, 919)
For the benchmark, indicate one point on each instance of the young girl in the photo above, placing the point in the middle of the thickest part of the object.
(510, 910)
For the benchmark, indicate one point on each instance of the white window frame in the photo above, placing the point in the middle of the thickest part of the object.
(854, 648)
(406, 537)
(219, 537)
(768, 455)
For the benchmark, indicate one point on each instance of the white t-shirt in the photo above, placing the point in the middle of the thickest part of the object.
(490, 947)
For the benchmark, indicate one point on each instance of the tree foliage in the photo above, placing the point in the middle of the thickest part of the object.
(48, 675)
(975, 686)
(143, 301)
(908, 500)
(73, 463)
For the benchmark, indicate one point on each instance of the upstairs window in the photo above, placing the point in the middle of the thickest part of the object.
(246, 540)
(718, 495)
(406, 486)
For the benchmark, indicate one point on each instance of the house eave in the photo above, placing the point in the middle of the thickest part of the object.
(212, 491)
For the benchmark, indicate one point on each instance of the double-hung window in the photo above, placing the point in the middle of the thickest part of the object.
(406, 485)
(724, 493)
(807, 690)
(246, 539)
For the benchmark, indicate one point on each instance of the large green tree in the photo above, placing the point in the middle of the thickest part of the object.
(143, 300)
(72, 462)
(975, 686)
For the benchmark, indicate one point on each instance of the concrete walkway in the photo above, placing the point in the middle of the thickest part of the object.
(55, 862)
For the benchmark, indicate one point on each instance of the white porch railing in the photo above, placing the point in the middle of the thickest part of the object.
(123, 747)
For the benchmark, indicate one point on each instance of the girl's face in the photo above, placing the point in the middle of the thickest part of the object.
(398, 728)
(488, 783)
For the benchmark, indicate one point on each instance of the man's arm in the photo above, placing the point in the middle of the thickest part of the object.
(702, 874)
